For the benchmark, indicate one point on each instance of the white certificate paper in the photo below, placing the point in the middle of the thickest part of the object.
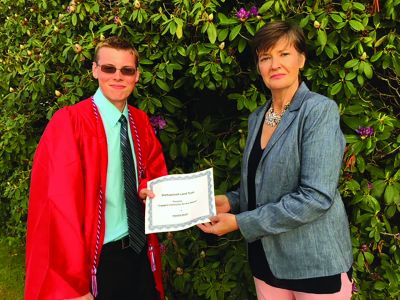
(180, 201)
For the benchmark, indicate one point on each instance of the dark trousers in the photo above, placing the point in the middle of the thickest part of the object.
(124, 275)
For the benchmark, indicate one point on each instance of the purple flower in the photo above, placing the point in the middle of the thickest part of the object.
(242, 14)
(163, 249)
(253, 11)
(158, 122)
(364, 248)
(117, 20)
(354, 287)
(370, 185)
(365, 132)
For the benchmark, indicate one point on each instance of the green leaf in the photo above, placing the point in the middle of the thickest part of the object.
(212, 33)
(322, 38)
(351, 63)
(222, 34)
(378, 187)
(392, 194)
(380, 41)
(304, 21)
(337, 87)
(181, 51)
(376, 56)
(369, 257)
(265, 7)
(351, 87)
(356, 25)
(359, 6)
(234, 32)
(249, 28)
(242, 45)
(380, 285)
(173, 151)
(179, 30)
(224, 20)
(337, 18)
(368, 70)
(74, 19)
(162, 85)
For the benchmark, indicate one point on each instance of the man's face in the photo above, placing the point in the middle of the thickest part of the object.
(116, 87)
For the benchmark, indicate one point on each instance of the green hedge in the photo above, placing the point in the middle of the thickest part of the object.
(198, 76)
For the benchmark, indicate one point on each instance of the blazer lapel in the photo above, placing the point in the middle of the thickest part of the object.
(287, 118)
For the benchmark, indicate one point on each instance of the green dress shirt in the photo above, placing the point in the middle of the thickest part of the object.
(116, 220)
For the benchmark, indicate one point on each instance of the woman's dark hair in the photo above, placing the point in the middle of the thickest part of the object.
(272, 32)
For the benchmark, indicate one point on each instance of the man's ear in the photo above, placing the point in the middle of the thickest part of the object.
(137, 75)
(94, 70)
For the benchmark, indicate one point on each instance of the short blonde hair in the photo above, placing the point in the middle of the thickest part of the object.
(118, 43)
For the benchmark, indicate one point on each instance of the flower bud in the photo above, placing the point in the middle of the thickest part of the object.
(11, 90)
(71, 8)
(170, 236)
(29, 52)
(222, 46)
(56, 29)
(31, 10)
(363, 56)
(47, 22)
(57, 93)
(21, 47)
(77, 48)
(317, 25)
(210, 17)
(102, 37)
(179, 271)
(202, 254)
(137, 4)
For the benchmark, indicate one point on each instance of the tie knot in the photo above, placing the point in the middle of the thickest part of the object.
(122, 120)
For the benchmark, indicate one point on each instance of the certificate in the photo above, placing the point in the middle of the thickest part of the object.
(180, 201)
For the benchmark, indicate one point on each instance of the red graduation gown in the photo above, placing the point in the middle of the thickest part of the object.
(66, 206)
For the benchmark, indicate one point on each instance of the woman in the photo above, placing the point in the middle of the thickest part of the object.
(288, 207)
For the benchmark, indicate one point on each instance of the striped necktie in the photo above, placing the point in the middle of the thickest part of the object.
(137, 237)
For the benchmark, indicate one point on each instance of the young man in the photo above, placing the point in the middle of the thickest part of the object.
(85, 235)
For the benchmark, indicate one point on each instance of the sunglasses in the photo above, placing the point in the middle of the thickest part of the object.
(110, 69)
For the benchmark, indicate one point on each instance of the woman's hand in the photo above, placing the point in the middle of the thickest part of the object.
(221, 224)
(222, 204)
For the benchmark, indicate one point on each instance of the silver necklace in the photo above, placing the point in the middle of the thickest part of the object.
(272, 119)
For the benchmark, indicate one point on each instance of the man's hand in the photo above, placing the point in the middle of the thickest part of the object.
(88, 296)
(144, 193)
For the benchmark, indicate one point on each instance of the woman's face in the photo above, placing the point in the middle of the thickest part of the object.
(280, 66)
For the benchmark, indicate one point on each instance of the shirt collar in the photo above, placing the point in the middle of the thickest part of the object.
(109, 113)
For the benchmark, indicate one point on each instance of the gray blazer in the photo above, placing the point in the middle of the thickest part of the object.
(299, 215)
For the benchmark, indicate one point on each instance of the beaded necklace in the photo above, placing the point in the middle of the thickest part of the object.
(272, 119)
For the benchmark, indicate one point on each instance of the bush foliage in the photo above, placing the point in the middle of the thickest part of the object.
(198, 75)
